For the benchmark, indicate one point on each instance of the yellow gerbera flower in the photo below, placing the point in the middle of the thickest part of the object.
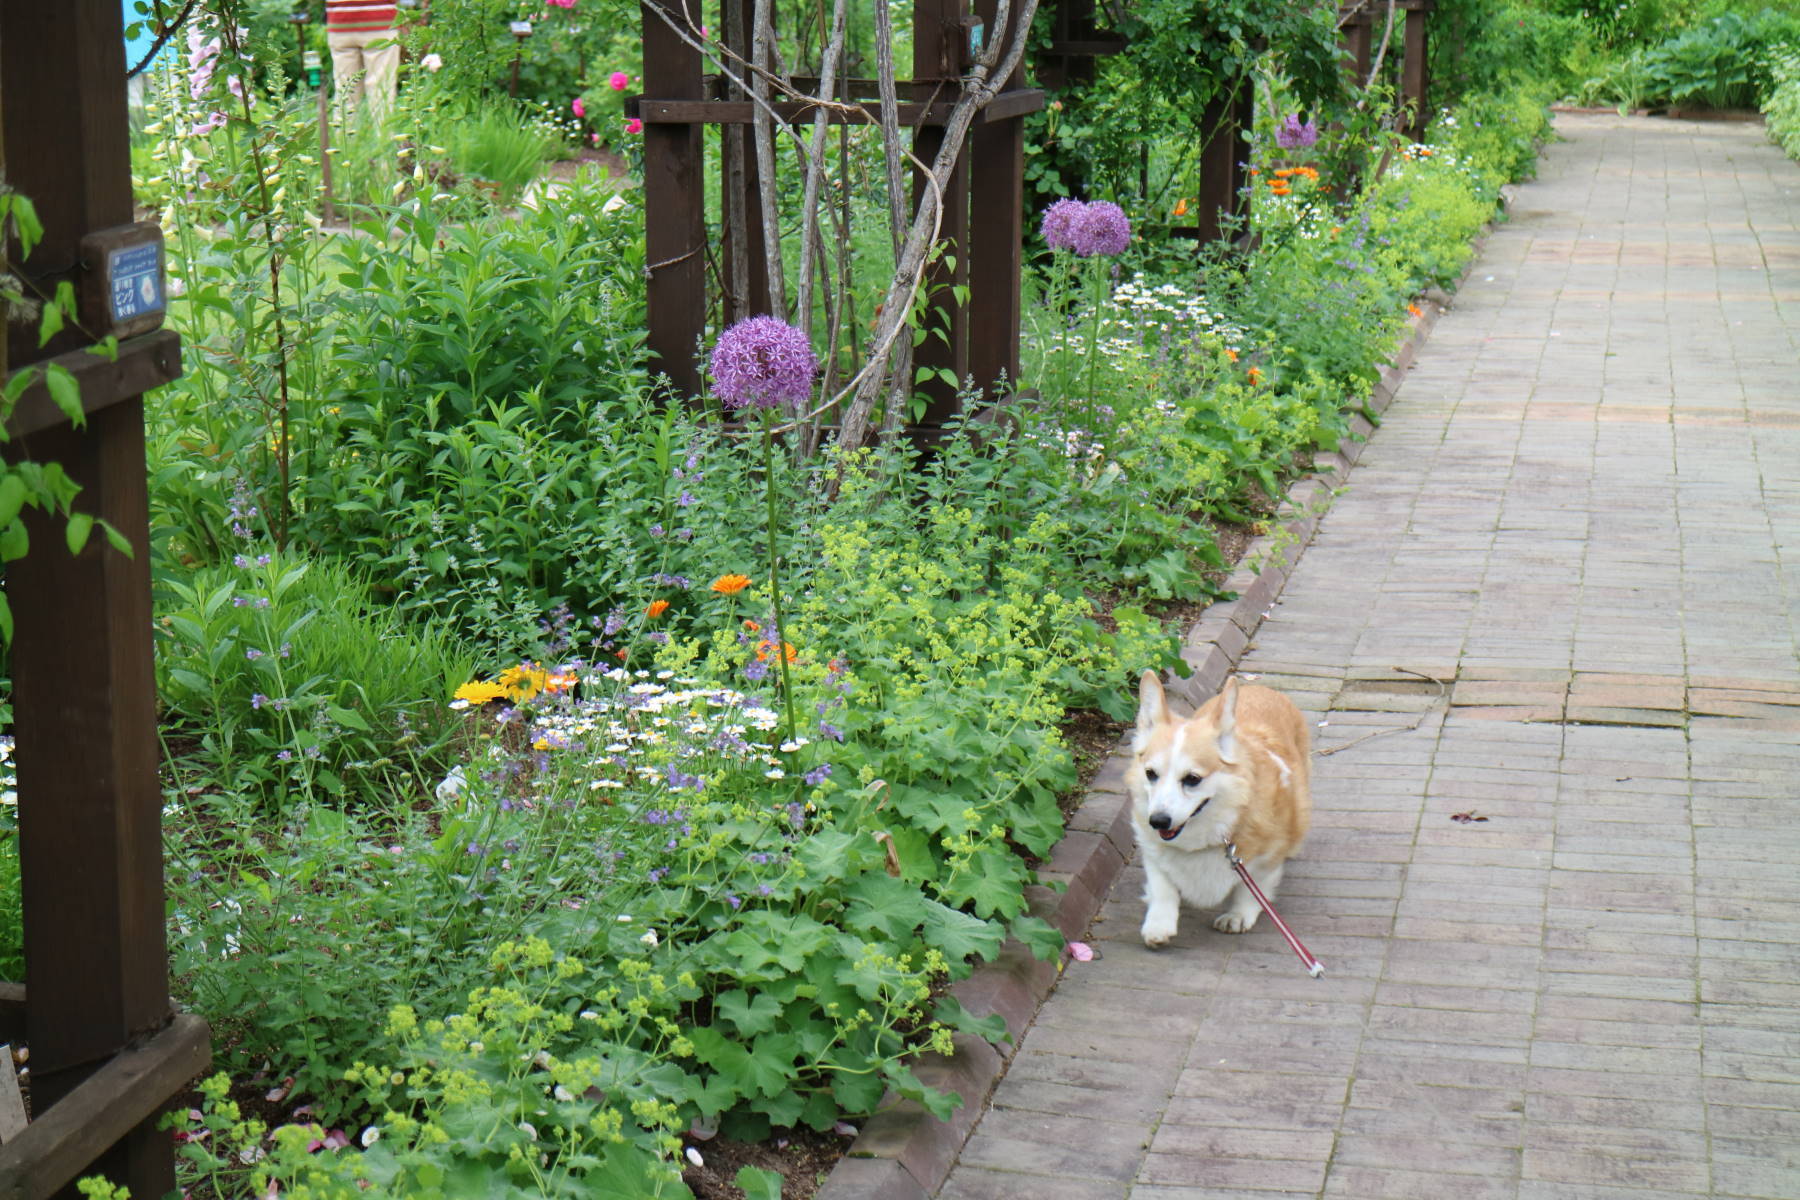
(480, 691)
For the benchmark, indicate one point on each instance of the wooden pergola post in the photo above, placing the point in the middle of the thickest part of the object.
(674, 201)
(1224, 166)
(996, 236)
(1415, 77)
(107, 1052)
(937, 36)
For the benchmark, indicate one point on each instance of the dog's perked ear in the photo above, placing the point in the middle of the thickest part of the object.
(1153, 709)
(1228, 721)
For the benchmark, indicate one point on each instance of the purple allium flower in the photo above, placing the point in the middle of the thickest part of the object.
(1058, 225)
(1101, 229)
(1292, 135)
(763, 362)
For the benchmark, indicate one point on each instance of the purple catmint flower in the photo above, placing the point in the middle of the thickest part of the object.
(756, 671)
(1058, 225)
(763, 362)
(817, 775)
(257, 700)
(827, 729)
(1292, 135)
(1101, 229)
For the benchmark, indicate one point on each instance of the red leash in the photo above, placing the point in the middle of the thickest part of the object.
(1314, 967)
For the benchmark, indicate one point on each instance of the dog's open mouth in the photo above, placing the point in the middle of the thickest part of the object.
(1169, 835)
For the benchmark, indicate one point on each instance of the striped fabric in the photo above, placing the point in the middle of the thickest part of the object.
(344, 16)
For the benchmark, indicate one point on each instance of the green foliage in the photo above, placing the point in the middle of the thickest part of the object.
(295, 684)
(494, 143)
(1781, 109)
(1725, 61)
(1146, 110)
(1498, 46)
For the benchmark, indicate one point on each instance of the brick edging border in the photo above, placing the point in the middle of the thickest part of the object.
(903, 1153)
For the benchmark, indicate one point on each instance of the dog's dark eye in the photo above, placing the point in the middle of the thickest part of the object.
(1190, 780)
(1149, 774)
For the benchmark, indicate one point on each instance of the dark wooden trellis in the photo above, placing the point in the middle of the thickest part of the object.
(107, 1051)
(982, 226)
(1360, 23)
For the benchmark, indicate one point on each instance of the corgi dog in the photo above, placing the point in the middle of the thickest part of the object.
(1237, 771)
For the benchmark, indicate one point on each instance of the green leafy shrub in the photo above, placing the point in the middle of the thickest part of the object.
(1781, 109)
(495, 144)
(1725, 61)
(293, 682)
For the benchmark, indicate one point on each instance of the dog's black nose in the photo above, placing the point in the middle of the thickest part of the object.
(1159, 820)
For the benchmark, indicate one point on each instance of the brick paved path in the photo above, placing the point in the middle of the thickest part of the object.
(1584, 510)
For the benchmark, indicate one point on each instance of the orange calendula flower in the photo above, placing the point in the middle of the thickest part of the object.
(657, 608)
(1279, 187)
(1255, 376)
(751, 626)
(1231, 354)
(1414, 310)
(765, 647)
(1180, 208)
(730, 585)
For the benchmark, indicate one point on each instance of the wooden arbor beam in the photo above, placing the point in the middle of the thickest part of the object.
(90, 807)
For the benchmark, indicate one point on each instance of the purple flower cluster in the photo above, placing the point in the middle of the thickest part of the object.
(762, 362)
(1088, 228)
(1058, 225)
(1292, 135)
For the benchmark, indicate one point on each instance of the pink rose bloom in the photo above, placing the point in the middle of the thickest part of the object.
(579, 108)
(618, 81)
(633, 125)
(563, 3)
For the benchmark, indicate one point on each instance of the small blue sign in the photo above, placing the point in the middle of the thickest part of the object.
(137, 283)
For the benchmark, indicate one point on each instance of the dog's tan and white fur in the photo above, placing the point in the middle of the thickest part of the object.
(1237, 771)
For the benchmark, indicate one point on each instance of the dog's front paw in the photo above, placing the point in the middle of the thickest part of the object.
(1233, 921)
(1158, 932)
